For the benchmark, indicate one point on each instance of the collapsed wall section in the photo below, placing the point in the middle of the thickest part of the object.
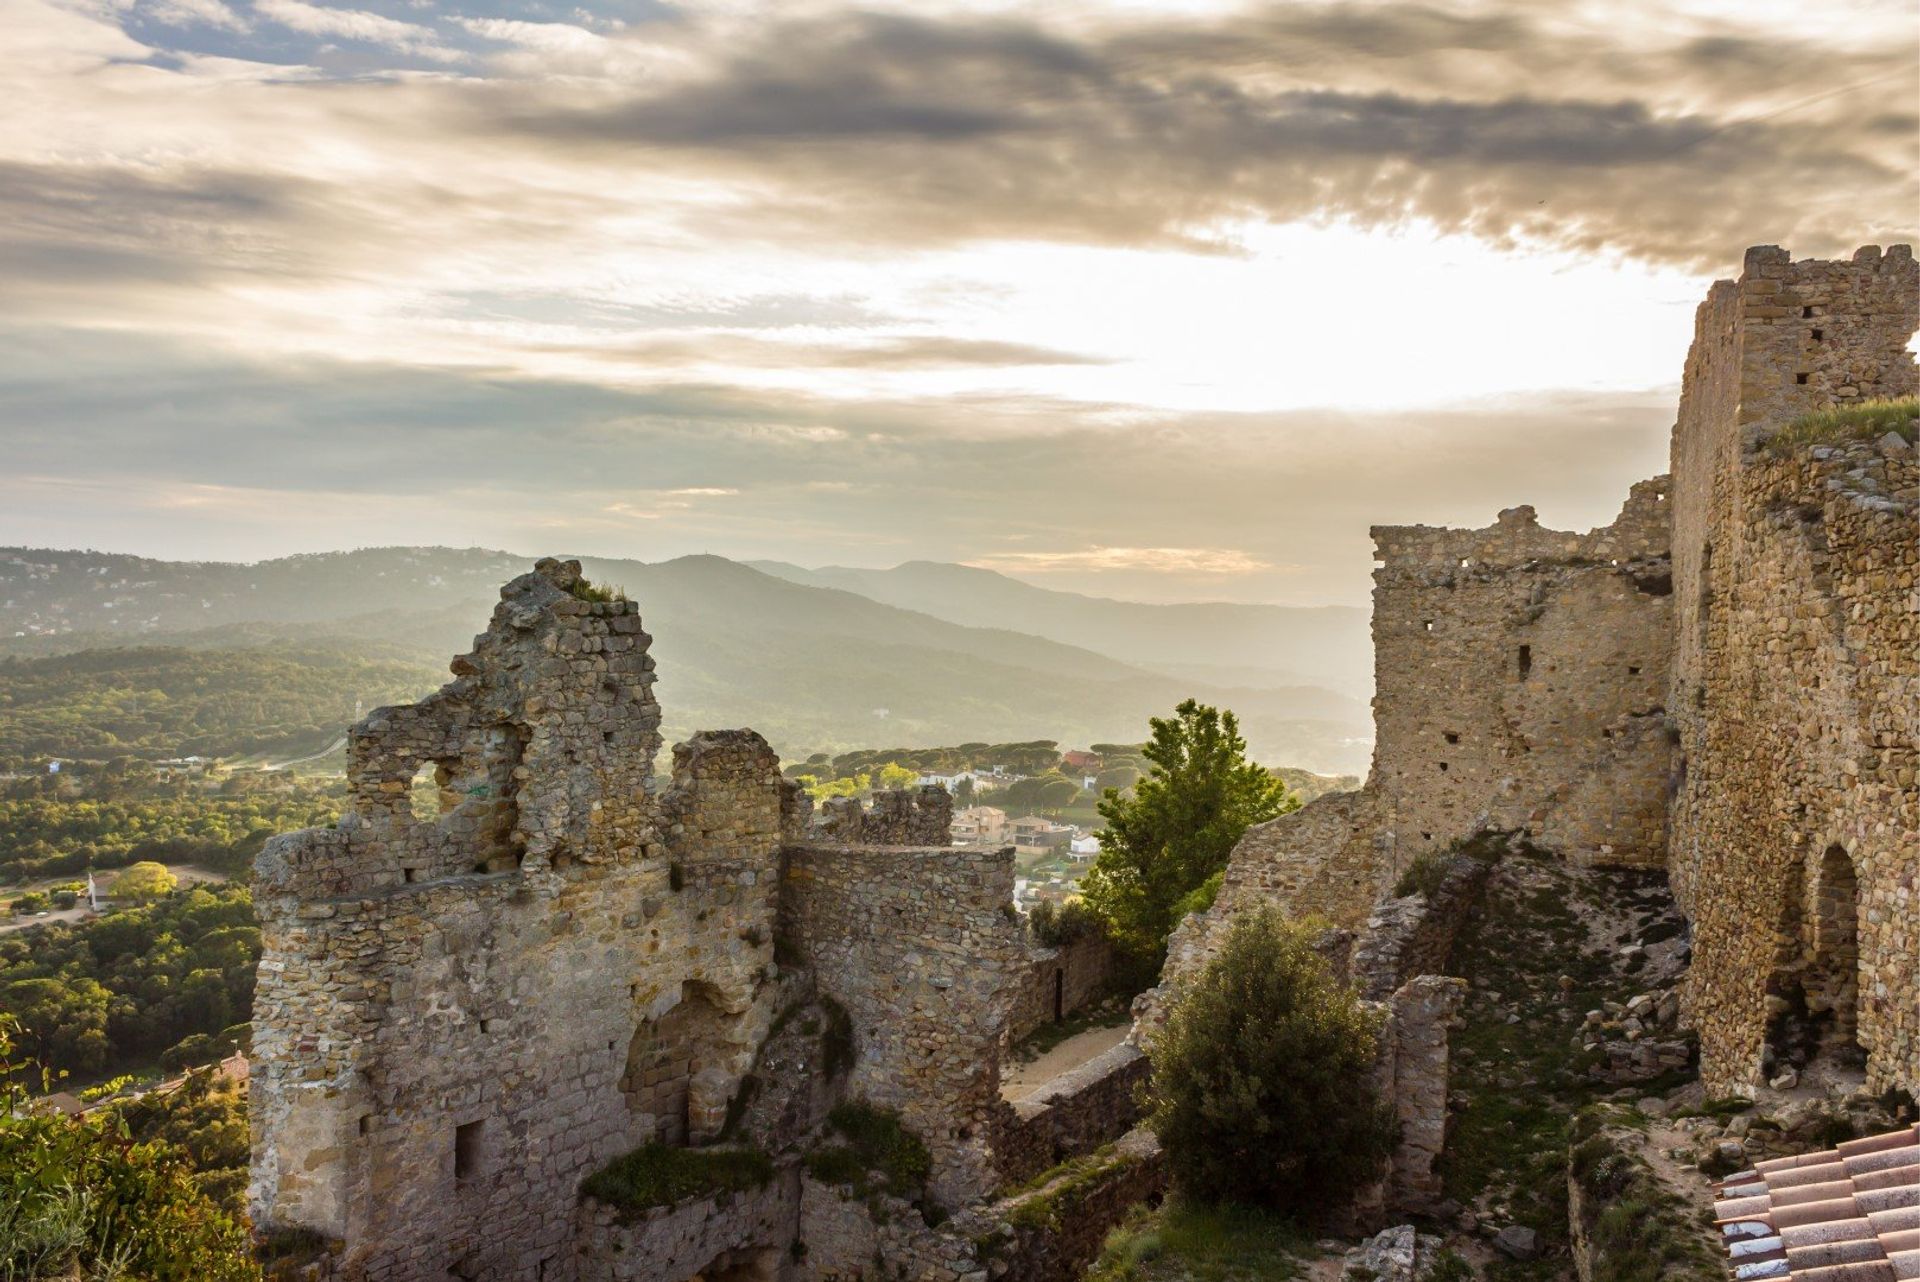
(1796, 691)
(922, 948)
(460, 1014)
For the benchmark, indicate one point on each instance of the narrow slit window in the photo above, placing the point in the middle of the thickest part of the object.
(467, 1150)
(1526, 661)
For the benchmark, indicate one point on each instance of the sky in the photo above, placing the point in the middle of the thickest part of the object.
(1161, 300)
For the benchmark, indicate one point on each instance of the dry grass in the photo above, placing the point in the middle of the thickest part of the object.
(1867, 421)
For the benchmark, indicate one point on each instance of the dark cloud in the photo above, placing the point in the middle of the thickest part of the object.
(932, 130)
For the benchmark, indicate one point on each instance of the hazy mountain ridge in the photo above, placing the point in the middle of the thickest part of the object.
(1265, 645)
(810, 666)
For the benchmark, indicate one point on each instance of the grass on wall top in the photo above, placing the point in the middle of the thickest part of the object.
(1867, 421)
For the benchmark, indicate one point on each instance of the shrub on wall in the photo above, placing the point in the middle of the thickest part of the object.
(1262, 1087)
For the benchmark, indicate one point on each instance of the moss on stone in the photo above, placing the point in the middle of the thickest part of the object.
(659, 1175)
(878, 1155)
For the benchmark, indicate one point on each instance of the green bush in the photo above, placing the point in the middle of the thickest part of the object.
(1423, 877)
(1069, 923)
(1262, 1080)
(875, 1143)
(658, 1175)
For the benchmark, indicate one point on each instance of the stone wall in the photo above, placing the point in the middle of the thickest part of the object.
(1059, 982)
(923, 949)
(1413, 935)
(450, 1009)
(900, 817)
(1053, 1232)
(846, 1238)
(1520, 677)
(1796, 687)
(1089, 1105)
(729, 1237)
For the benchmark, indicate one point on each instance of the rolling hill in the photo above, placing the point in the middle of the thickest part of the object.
(812, 666)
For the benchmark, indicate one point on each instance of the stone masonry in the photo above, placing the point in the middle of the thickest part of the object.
(1795, 691)
(520, 955)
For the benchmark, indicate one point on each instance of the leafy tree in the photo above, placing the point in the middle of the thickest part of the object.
(1057, 794)
(144, 881)
(31, 902)
(894, 775)
(963, 792)
(1178, 825)
(1262, 1087)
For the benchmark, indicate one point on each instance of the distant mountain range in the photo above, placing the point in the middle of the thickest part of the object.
(826, 659)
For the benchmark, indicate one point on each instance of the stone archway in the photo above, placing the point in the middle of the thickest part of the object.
(1833, 956)
(665, 1056)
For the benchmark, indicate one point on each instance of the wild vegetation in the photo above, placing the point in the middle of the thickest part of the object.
(105, 1199)
(1261, 1092)
(1178, 825)
(158, 701)
(47, 830)
(1866, 421)
(117, 993)
(662, 1175)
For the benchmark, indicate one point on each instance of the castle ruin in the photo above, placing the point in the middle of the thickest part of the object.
(521, 954)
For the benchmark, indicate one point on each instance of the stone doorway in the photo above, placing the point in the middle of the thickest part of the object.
(1833, 969)
(666, 1054)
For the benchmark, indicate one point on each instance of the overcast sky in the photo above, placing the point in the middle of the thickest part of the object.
(1162, 300)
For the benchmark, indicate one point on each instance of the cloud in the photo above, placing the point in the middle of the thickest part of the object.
(356, 24)
(1153, 132)
(1182, 561)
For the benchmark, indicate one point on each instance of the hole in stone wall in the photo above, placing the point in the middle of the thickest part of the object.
(1806, 313)
(1526, 661)
(1465, 563)
(467, 1149)
(1451, 737)
(1443, 767)
(1801, 379)
(1426, 836)
(1819, 334)
(366, 1123)
(662, 1060)
(427, 792)
(1427, 626)
(1633, 669)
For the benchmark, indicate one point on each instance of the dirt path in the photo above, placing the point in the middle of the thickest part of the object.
(1017, 1081)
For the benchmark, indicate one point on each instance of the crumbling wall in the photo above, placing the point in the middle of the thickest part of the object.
(1796, 686)
(1089, 1105)
(898, 817)
(1059, 982)
(729, 1237)
(1521, 675)
(922, 948)
(448, 1008)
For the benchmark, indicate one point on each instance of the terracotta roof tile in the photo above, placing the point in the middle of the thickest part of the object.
(1850, 1214)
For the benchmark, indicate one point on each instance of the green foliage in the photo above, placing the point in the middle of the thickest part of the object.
(1068, 923)
(1423, 876)
(30, 903)
(660, 1175)
(598, 593)
(143, 882)
(1185, 1242)
(204, 1118)
(118, 990)
(1261, 1088)
(1201, 897)
(58, 835)
(167, 702)
(1866, 421)
(1179, 824)
(874, 1144)
(87, 1197)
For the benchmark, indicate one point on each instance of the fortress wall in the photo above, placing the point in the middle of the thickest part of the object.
(1794, 691)
(922, 948)
(1521, 674)
(457, 1021)
(1059, 982)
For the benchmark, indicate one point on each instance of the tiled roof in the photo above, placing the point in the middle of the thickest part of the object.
(1846, 1214)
